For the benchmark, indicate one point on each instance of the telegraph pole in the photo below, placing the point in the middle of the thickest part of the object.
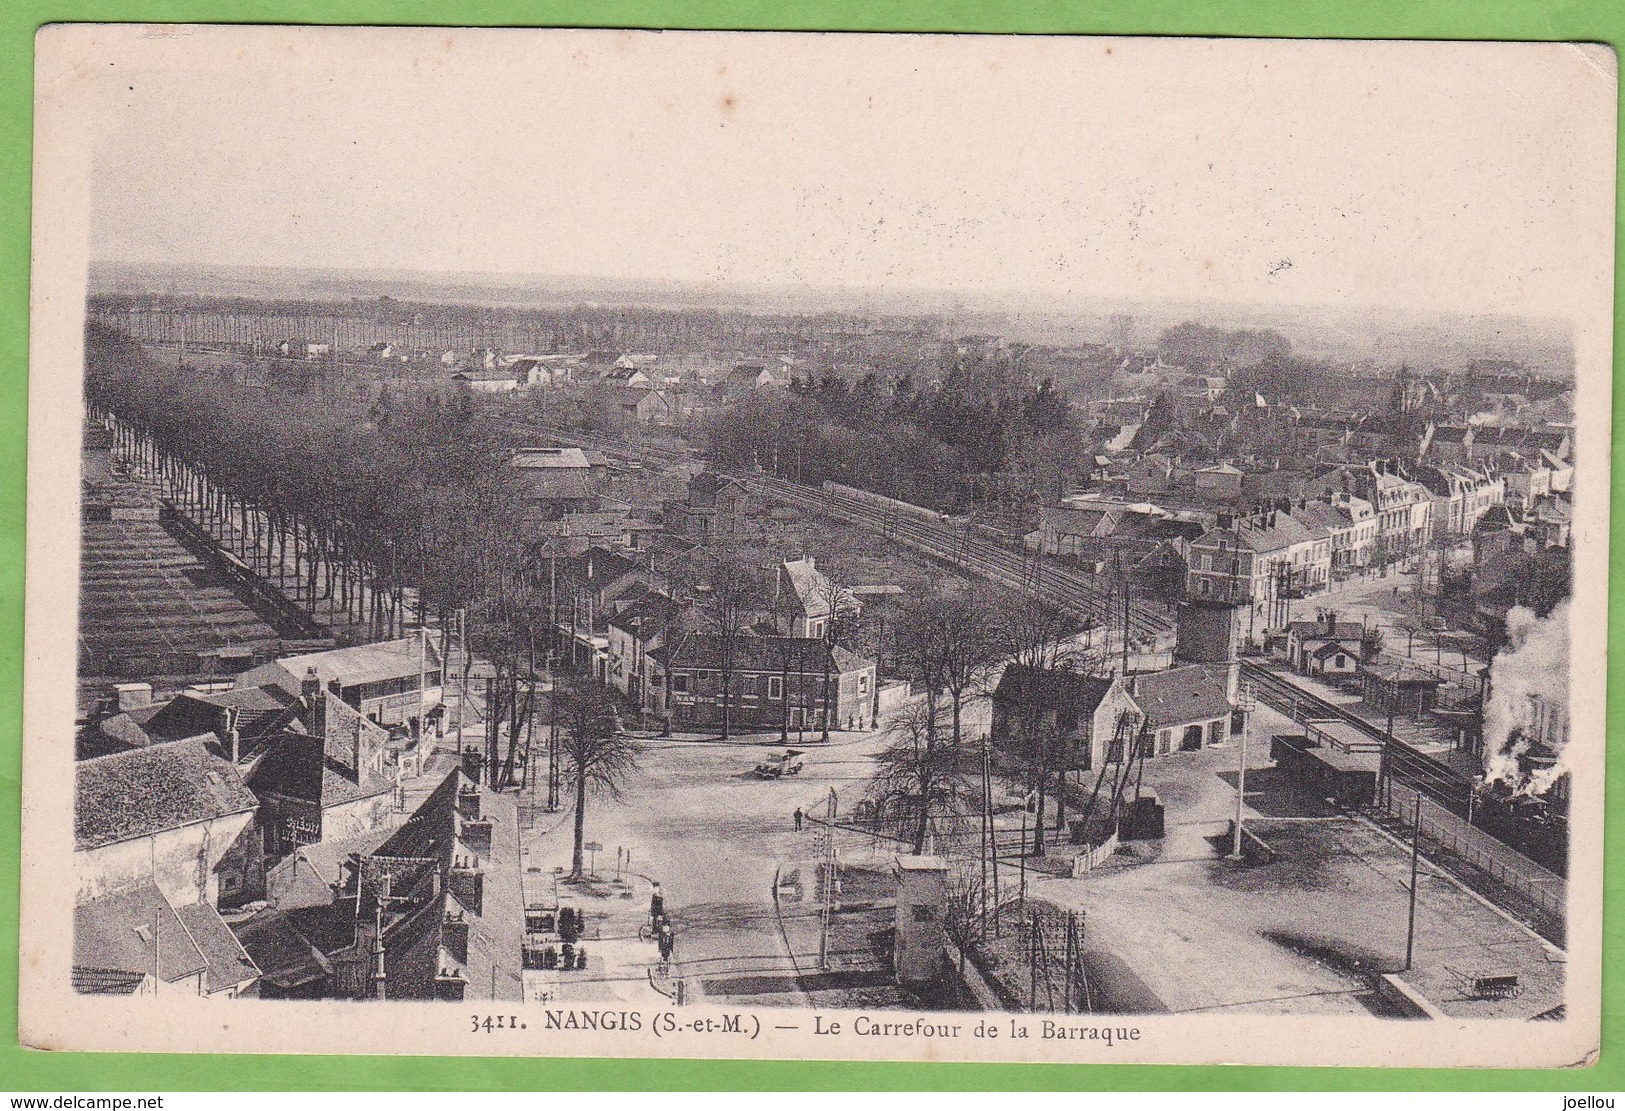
(1246, 703)
(1416, 852)
(827, 880)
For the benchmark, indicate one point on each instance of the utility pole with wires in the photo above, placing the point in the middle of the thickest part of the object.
(1246, 703)
(827, 879)
(988, 847)
(1416, 853)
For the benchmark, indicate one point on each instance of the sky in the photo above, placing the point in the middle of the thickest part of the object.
(1459, 177)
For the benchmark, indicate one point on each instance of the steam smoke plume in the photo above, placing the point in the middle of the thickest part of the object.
(1533, 666)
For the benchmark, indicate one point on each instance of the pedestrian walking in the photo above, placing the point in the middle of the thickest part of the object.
(798, 819)
(657, 907)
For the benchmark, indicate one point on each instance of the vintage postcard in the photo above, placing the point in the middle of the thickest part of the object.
(1045, 549)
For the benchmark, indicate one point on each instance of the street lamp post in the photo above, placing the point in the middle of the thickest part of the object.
(1246, 703)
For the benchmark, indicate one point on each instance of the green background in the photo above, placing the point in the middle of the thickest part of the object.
(30, 1071)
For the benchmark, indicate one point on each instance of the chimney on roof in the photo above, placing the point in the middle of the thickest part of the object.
(468, 802)
(1331, 623)
(234, 741)
(1271, 519)
(454, 934)
(315, 700)
(467, 883)
(133, 696)
(477, 835)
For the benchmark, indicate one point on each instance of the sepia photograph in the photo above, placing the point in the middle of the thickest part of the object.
(804, 545)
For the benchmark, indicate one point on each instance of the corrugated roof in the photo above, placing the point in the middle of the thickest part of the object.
(362, 663)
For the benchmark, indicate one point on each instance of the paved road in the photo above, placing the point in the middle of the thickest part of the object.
(713, 836)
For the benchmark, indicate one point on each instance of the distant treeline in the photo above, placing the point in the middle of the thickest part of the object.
(952, 447)
(1203, 346)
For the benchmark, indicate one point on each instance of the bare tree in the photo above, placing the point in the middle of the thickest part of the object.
(1043, 640)
(972, 647)
(918, 780)
(922, 646)
(965, 915)
(730, 579)
(599, 761)
(840, 613)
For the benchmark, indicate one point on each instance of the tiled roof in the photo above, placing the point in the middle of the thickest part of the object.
(1318, 515)
(284, 956)
(1182, 695)
(653, 611)
(298, 767)
(117, 932)
(147, 790)
(757, 653)
(1313, 630)
(1283, 534)
(1051, 688)
(227, 963)
(261, 711)
(434, 832)
(709, 482)
(599, 565)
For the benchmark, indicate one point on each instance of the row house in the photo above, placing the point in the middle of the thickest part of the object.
(1403, 508)
(1404, 511)
(1461, 495)
(1262, 555)
(1530, 477)
(772, 683)
(434, 911)
(1258, 561)
(1351, 524)
(1493, 443)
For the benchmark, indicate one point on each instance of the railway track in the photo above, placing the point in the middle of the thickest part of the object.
(1082, 595)
(1085, 596)
(1406, 763)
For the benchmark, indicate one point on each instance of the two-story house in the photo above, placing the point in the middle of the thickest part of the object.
(1091, 717)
